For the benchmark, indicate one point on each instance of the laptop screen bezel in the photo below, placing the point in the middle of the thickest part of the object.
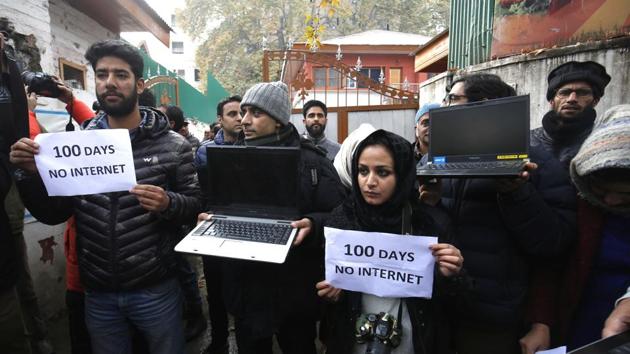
(517, 155)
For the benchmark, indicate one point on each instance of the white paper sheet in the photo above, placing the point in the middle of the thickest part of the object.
(86, 162)
(381, 264)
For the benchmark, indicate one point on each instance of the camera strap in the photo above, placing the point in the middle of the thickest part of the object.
(406, 220)
(70, 126)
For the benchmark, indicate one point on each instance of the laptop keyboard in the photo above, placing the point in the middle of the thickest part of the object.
(474, 165)
(247, 231)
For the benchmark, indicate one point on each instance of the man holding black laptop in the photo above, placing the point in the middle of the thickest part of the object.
(500, 224)
(280, 299)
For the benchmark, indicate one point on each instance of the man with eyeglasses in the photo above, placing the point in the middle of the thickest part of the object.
(421, 145)
(574, 89)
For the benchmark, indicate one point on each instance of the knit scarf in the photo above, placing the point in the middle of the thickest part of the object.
(561, 129)
(278, 139)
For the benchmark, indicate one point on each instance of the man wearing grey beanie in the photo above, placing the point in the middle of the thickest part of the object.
(280, 299)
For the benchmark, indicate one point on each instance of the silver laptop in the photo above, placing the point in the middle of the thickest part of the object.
(253, 196)
(481, 139)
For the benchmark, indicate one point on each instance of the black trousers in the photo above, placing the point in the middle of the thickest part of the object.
(79, 336)
(295, 336)
(216, 305)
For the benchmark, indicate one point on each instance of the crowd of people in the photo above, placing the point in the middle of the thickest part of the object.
(521, 264)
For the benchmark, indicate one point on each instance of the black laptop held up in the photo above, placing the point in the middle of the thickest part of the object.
(481, 139)
(617, 344)
(253, 196)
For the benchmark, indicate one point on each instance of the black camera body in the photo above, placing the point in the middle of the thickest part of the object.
(41, 83)
(382, 332)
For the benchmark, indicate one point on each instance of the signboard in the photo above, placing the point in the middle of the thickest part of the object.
(525, 25)
(381, 264)
(86, 162)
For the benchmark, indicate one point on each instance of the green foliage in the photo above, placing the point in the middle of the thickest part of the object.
(232, 31)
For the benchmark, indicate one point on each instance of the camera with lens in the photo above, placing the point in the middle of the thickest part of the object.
(382, 332)
(41, 83)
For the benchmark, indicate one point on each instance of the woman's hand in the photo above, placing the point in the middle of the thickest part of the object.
(448, 258)
(327, 292)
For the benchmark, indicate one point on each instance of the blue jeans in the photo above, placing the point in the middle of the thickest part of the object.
(155, 311)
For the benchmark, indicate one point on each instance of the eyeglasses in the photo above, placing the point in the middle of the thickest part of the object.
(581, 92)
(453, 98)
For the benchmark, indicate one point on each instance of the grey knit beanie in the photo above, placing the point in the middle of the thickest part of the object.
(271, 97)
(608, 146)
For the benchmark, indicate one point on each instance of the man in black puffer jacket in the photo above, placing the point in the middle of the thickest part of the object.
(281, 299)
(125, 240)
(13, 125)
(501, 226)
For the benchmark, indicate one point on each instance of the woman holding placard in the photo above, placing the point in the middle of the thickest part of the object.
(383, 199)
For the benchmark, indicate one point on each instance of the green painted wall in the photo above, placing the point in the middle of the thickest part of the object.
(195, 104)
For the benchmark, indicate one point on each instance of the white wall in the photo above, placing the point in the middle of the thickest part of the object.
(400, 122)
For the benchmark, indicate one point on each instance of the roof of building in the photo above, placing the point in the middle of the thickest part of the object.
(379, 37)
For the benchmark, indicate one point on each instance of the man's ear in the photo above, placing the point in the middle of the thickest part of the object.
(278, 126)
(595, 102)
(140, 85)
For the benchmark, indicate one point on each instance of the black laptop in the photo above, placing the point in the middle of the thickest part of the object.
(617, 344)
(253, 196)
(481, 139)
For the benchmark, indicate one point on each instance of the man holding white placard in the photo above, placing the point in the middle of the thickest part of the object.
(125, 239)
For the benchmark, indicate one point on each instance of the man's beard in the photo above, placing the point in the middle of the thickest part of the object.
(316, 130)
(120, 109)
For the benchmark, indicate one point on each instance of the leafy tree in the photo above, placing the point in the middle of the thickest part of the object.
(232, 31)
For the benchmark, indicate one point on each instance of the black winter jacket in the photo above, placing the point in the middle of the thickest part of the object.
(120, 245)
(501, 234)
(263, 295)
(430, 328)
(13, 126)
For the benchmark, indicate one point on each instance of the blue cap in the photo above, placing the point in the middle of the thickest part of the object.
(425, 109)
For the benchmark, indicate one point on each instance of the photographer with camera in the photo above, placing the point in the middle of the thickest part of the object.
(13, 125)
(383, 199)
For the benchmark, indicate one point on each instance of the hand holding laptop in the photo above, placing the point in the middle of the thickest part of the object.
(304, 227)
(507, 185)
(430, 190)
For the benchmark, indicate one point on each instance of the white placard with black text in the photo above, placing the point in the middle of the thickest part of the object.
(380, 264)
(86, 162)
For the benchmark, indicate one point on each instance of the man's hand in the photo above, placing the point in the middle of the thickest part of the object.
(203, 217)
(304, 225)
(66, 95)
(151, 198)
(23, 154)
(448, 258)
(536, 339)
(430, 191)
(619, 319)
(327, 291)
(31, 99)
(507, 185)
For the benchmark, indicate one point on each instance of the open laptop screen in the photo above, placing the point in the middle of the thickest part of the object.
(486, 130)
(260, 180)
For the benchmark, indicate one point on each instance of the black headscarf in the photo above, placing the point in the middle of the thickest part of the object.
(386, 217)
